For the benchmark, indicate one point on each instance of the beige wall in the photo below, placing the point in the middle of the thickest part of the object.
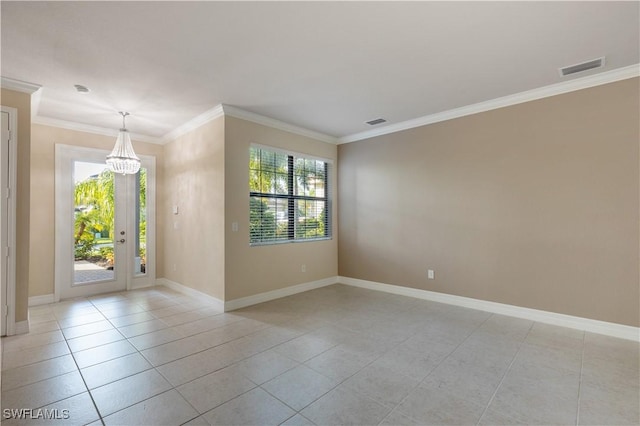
(194, 170)
(258, 269)
(534, 205)
(43, 141)
(22, 102)
(204, 173)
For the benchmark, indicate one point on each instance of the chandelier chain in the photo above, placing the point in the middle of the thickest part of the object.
(124, 115)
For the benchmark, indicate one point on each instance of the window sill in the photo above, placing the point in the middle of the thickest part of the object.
(275, 243)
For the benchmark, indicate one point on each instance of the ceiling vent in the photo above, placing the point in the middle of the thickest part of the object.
(376, 121)
(584, 66)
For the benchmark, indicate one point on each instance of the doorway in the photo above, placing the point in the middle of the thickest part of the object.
(105, 224)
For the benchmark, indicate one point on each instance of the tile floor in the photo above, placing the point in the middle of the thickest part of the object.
(336, 355)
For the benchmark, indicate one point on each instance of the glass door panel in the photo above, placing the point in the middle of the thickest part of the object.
(140, 224)
(104, 226)
(94, 221)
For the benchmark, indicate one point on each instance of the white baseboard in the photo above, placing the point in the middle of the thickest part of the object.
(277, 294)
(215, 302)
(139, 286)
(579, 323)
(22, 327)
(41, 300)
(249, 300)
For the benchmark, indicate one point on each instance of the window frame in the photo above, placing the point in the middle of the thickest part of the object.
(291, 197)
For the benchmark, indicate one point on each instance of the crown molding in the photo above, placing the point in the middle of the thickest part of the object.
(216, 112)
(194, 123)
(231, 111)
(19, 85)
(224, 110)
(70, 125)
(276, 124)
(505, 101)
(36, 97)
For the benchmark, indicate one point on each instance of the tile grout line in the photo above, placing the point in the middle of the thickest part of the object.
(393, 407)
(584, 335)
(193, 335)
(239, 395)
(34, 348)
(137, 351)
(434, 369)
(125, 339)
(299, 364)
(513, 360)
(175, 388)
(220, 344)
(152, 367)
(71, 353)
(82, 376)
(348, 377)
(256, 384)
(32, 363)
(58, 375)
(317, 372)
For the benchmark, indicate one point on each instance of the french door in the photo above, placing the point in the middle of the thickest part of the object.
(105, 224)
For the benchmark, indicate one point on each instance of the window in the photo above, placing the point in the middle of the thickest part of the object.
(288, 197)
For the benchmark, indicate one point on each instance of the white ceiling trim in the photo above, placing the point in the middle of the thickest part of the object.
(222, 110)
(277, 124)
(194, 123)
(24, 87)
(70, 125)
(505, 101)
(35, 103)
(18, 85)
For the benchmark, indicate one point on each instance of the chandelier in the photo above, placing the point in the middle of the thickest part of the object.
(123, 159)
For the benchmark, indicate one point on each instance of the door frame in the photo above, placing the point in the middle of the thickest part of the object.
(8, 247)
(65, 156)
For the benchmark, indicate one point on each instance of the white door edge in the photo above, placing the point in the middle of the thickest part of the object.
(10, 240)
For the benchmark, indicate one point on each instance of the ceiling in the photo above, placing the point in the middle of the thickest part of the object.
(323, 66)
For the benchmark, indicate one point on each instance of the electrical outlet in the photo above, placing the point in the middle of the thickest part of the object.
(303, 268)
(431, 274)
(234, 226)
(175, 267)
